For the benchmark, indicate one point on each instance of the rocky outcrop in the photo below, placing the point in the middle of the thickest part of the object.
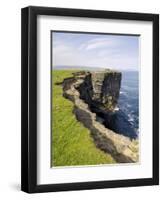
(100, 88)
(122, 148)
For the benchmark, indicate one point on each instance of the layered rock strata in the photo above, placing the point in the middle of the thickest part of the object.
(100, 88)
(122, 148)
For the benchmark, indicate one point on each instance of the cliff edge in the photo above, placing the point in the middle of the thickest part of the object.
(97, 92)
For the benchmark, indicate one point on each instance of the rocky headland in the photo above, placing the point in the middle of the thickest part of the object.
(95, 97)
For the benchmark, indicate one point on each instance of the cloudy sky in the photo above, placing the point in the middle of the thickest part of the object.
(95, 50)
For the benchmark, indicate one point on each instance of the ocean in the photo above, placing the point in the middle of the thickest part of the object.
(128, 101)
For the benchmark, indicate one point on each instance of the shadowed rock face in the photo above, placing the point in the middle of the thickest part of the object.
(100, 89)
(106, 87)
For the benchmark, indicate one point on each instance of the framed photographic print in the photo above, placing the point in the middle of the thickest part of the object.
(90, 99)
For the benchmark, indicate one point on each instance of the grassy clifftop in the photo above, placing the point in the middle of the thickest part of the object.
(72, 143)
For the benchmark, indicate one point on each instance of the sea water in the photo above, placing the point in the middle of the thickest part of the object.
(128, 101)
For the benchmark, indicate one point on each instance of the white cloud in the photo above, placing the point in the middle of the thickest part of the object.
(98, 43)
(97, 52)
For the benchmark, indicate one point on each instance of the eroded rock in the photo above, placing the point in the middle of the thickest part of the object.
(100, 88)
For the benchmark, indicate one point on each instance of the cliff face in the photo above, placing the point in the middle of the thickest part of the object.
(106, 88)
(83, 90)
(100, 89)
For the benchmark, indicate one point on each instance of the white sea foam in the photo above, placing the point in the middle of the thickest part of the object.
(116, 109)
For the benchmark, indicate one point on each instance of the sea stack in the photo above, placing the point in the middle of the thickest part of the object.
(106, 88)
(100, 88)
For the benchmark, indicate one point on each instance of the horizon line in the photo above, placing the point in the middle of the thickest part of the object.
(78, 66)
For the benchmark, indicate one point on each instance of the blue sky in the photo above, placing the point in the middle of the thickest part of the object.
(95, 50)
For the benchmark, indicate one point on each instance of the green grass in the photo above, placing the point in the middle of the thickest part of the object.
(72, 143)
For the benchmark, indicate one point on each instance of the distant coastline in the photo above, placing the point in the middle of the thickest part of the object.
(71, 67)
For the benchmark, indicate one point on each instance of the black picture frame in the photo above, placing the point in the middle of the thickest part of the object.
(29, 99)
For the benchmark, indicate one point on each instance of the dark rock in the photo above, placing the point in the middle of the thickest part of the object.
(106, 88)
(101, 88)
